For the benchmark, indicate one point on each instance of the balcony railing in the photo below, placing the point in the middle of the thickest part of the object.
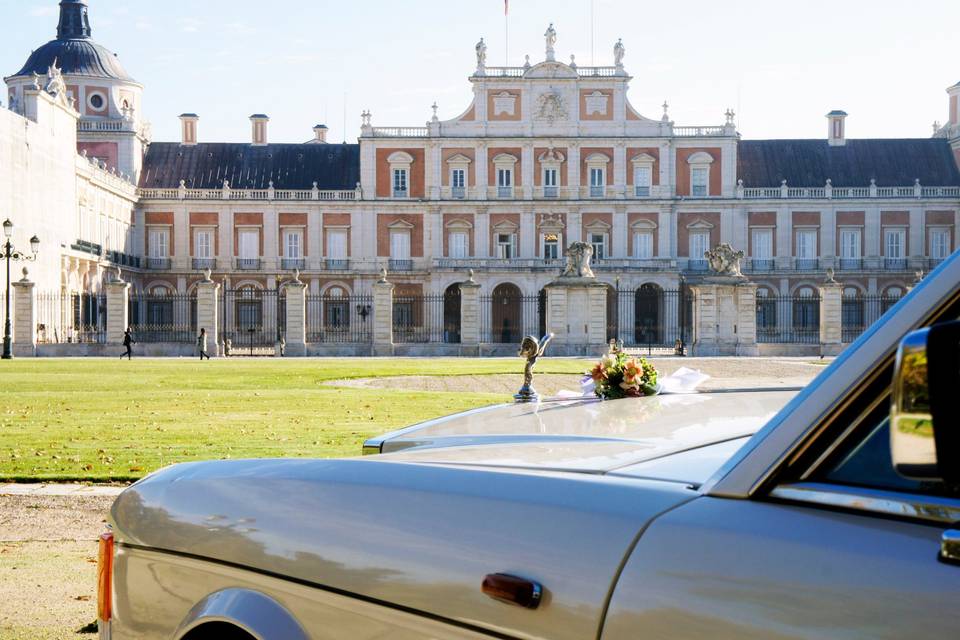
(829, 192)
(336, 264)
(597, 191)
(248, 194)
(504, 192)
(550, 192)
(248, 264)
(641, 192)
(289, 264)
(760, 264)
(158, 264)
(458, 193)
(697, 265)
(401, 193)
(200, 264)
(400, 265)
(851, 264)
(895, 264)
(933, 263)
(513, 264)
(806, 264)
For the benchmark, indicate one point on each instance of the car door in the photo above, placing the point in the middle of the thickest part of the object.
(844, 548)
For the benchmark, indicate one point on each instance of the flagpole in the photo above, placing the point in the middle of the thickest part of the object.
(506, 33)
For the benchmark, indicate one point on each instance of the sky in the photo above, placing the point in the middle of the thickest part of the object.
(780, 65)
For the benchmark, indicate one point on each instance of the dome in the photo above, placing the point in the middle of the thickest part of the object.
(73, 51)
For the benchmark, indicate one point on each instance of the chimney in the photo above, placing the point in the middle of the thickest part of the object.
(837, 135)
(259, 124)
(320, 131)
(188, 129)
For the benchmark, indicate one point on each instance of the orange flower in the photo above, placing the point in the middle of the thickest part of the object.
(631, 371)
(598, 373)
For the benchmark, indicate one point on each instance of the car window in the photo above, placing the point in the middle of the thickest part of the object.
(865, 461)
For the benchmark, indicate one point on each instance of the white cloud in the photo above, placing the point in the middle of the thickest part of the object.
(190, 25)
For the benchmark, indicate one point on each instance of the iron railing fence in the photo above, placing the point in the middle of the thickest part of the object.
(858, 313)
(788, 319)
(421, 318)
(506, 319)
(163, 317)
(252, 320)
(339, 319)
(650, 317)
(71, 318)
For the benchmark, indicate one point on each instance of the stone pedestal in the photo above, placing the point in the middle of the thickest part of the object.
(118, 310)
(577, 315)
(725, 317)
(831, 318)
(470, 317)
(383, 318)
(208, 310)
(296, 329)
(24, 319)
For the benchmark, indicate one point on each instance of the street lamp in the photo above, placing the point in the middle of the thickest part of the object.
(12, 254)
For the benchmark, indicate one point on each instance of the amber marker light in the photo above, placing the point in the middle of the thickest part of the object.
(105, 577)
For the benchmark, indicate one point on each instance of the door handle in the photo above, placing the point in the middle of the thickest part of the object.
(950, 546)
(513, 590)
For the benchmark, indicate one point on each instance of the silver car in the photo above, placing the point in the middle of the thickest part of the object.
(766, 514)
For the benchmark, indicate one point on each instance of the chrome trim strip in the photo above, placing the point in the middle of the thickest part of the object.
(888, 503)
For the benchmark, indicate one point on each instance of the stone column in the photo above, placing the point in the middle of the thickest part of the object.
(577, 315)
(724, 317)
(208, 311)
(118, 309)
(383, 316)
(296, 329)
(831, 317)
(470, 317)
(24, 318)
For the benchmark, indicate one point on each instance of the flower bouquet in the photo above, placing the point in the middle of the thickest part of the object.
(618, 375)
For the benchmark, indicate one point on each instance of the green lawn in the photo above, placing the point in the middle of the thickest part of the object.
(102, 419)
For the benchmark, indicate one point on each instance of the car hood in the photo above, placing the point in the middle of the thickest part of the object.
(583, 435)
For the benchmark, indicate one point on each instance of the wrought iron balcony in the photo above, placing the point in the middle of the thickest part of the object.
(337, 264)
(158, 264)
(851, 264)
(458, 193)
(248, 264)
(401, 193)
(200, 264)
(550, 192)
(697, 265)
(933, 263)
(504, 192)
(760, 264)
(806, 264)
(895, 264)
(289, 264)
(400, 265)
(597, 191)
(641, 191)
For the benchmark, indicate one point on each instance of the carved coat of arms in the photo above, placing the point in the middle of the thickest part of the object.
(725, 260)
(551, 107)
(578, 261)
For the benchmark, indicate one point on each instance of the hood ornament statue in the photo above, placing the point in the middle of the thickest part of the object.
(579, 255)
(531, 349)
(725, 260)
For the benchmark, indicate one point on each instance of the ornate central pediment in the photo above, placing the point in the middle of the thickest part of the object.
(552, 70)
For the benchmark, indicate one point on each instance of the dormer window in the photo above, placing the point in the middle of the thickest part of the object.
(597, 171)
(700, 174)
(400, 163)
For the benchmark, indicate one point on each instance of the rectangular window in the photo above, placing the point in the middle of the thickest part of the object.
(159, 243)
(599, 243)
(551, 246)
(504, 177)
(249, 244)
(939, 243)
(400, 245)
(807, 244)
(293, 244)
(459, 244)
(699, 244)
(850, 244)
(642, 244)
(399, 183)
(337, 244)
(458, 179)
(698, 181)
(550, 177)
(894, 243)
(762, 244)
(203, 244)
(596, 177)
(506, 246)
(642, 180)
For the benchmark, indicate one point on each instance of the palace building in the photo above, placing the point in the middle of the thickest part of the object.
(546, 154)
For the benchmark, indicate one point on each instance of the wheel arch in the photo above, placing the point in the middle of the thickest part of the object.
(253, 612)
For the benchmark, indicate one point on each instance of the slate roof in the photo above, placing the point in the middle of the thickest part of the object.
(808, 163)
(290, 166)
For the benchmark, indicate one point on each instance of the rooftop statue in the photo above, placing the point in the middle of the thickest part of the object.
(725, 260)
(551, 37)
(618, 53)
(481, 55)
(578, 261)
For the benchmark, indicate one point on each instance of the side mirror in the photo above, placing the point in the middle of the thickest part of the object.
(924, 429)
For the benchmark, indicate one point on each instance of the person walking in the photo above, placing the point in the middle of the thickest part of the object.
(202, 344)
(128, 341)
